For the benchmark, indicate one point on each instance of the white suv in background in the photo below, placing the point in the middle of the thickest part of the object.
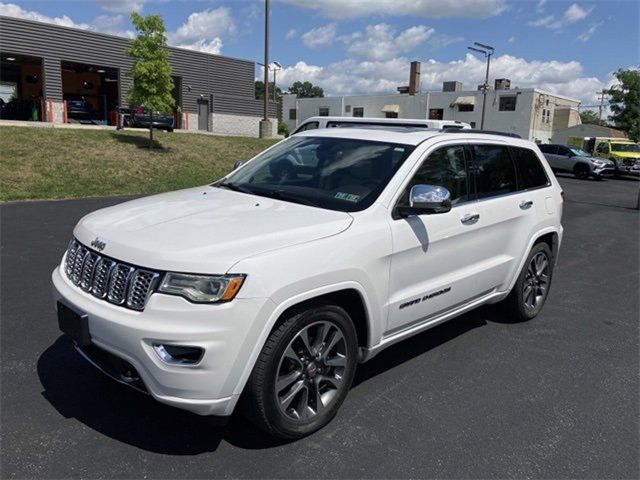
(270, 285)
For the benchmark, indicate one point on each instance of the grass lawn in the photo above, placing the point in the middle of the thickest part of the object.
(38, 163)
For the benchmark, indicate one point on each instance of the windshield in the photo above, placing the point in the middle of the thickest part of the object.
(333, 173)
(579, 153)
(625, 147)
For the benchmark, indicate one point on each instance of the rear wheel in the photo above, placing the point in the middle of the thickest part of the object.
(581, 171)
(303, 373)
(532, 287)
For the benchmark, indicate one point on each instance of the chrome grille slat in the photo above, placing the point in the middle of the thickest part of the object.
(116, 282)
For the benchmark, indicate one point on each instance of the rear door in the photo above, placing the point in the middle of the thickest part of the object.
(551, 154)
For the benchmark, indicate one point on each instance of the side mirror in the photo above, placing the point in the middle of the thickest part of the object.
(238, 164)
(427, 199)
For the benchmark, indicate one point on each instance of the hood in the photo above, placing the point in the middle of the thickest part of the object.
(205, 229)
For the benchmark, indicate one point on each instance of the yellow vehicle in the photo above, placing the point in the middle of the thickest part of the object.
(624, 153)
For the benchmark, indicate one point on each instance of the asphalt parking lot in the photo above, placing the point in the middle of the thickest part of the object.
(478, 397)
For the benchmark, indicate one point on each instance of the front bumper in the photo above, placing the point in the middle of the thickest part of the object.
(227, 332)
(604, 171)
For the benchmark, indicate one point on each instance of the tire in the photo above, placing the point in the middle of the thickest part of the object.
(169, 130)
(286, 365)
(581, 171)
(519, 304)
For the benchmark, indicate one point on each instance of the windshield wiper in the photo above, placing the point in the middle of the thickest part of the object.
(235, 187)
(288, 196)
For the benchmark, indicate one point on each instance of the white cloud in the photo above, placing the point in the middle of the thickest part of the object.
(320, 36)
(13, 10)
(207, 24)
(122, 6)
(291, 34)
(586, 35)
(349, 9)
(383, 76)
(574, 13)
(207, 46)
(511, 39)
(380, 42)
(443, 40)
(111, 24)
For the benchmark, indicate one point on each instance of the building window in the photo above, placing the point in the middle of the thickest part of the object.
(293, 114)
(436, 113)
(347, 109)
(508, 103)
(465, 108)
(473, 124)
(358, 111)
(390, 114)
(323, 111)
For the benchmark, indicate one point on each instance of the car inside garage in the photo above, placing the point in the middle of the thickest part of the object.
(20, 87)
(90, 93)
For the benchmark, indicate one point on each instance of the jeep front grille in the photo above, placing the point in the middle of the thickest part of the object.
(116, 282)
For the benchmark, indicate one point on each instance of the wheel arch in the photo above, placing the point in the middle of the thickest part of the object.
(550, 235)
(349, 295)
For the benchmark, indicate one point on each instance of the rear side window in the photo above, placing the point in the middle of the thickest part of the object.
(531, 173)
(494, 171)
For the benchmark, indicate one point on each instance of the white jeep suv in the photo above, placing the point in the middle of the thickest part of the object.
(270, 285)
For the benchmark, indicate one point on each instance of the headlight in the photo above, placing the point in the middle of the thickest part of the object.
(202, 288)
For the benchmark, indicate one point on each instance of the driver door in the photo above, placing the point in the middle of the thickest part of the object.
(435, 257)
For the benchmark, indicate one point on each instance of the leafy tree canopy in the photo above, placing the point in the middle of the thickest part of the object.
(259, 89)
(624, 99)
(306, 90)
(589, 117)
(151, 71)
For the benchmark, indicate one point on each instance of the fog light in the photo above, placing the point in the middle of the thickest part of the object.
(178, 354)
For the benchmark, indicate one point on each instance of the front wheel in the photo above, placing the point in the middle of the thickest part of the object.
(303, 373)
(532, 287)
(581, 171)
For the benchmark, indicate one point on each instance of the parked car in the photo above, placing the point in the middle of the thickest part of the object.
(336, 122)
(624, 153)
(140, 118)
(272, 283)
(79, 108)
(573, 160)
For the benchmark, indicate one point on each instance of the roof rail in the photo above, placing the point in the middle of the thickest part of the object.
(477, 130)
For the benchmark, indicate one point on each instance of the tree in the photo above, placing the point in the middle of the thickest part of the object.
(589, 117)
(624, 101)
(151, 71)
(259, 89)
(306, 90)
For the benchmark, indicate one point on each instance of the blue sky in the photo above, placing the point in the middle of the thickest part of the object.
(365, 46)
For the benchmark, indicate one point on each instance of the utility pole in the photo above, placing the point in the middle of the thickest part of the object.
(265, 124)
(602, 93)
(487, 51)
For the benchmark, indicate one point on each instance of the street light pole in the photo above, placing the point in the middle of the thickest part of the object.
(487, 51)
(265, 124)
(276, 67)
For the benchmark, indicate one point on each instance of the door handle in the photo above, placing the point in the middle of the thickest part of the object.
(526, 204)
(470, 218)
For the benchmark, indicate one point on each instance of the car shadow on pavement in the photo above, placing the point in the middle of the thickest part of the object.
(78, 390)
(422, 343)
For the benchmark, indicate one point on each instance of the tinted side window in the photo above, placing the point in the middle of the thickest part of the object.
(444, 167)
(308, 126)
(494, 170)
(564, 151)
(531, 173)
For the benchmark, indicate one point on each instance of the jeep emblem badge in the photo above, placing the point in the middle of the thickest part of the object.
(98, 244)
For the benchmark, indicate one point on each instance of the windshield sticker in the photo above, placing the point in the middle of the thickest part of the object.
(347, 196)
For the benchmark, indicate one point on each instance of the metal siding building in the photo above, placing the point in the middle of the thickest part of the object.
(225, 84)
